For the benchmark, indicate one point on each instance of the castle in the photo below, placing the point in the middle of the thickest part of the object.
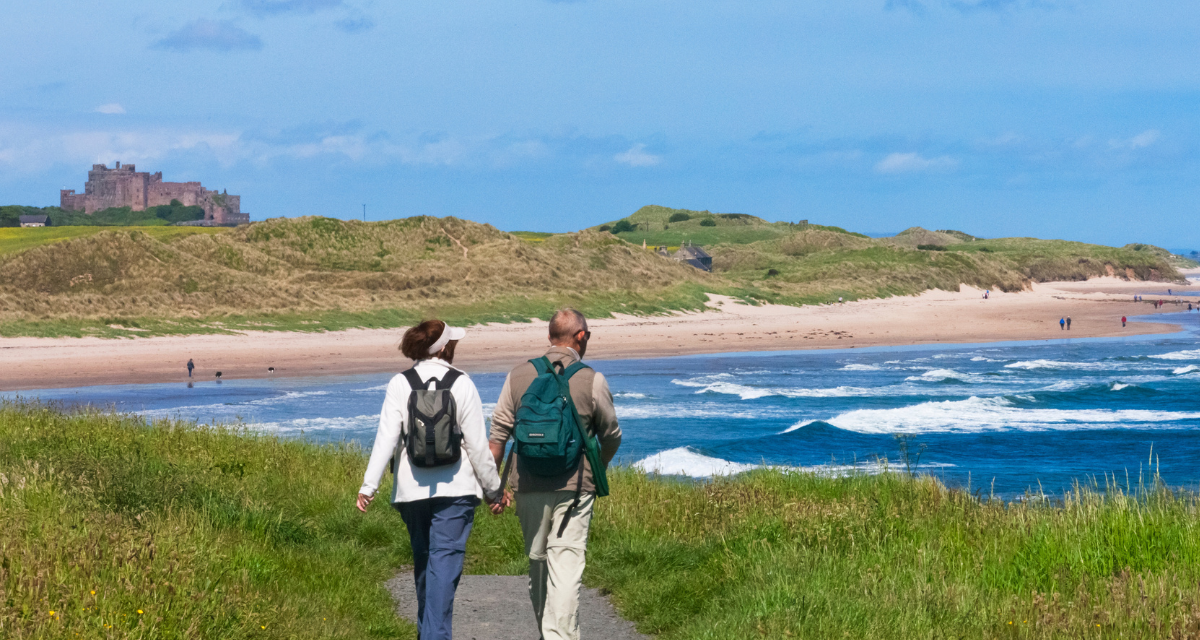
(124, 186)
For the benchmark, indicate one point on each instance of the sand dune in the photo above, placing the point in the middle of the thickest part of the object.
(1095, 306)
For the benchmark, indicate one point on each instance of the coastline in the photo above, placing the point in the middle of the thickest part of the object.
(933, 317)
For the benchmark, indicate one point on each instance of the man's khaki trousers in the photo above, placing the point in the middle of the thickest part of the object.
(555, 564)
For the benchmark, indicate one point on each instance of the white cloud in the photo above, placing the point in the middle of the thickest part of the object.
(111, 108)
(636, 156)
(1140, 141)
(913, 162)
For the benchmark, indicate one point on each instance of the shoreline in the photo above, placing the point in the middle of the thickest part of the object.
(929, 319)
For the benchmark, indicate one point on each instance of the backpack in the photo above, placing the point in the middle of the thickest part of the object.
(549, 435)
(432, 437)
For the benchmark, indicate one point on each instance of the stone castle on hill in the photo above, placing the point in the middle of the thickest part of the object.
(124, 186)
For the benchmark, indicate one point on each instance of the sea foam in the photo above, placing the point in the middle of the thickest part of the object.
(977, 415)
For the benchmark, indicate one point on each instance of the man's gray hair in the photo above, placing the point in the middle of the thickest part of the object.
(565, 324)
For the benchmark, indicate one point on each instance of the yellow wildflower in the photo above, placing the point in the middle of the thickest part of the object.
(139, 612)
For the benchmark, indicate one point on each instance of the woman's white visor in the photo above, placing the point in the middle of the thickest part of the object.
(448, 334)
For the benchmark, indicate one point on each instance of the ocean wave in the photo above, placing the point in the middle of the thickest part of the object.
(629, 394)
(938, 375)
(1056, 364)
(693, 410)
(1117, 386)
(317, 425)
(862, 367)
(1191, 354)
(976, 415)
(720, 384)
(1191, 368)
(685, 461)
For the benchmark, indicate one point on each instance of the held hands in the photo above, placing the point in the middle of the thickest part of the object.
(498, 506)
(364, 501)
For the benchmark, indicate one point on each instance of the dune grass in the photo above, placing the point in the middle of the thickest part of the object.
(17, 239)
(113, 528)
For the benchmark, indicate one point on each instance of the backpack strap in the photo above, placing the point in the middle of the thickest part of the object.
(448, 380)
(542, 365)
(414, 379)
(573, 369)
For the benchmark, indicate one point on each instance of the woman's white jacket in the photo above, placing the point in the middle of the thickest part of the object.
(473, 475)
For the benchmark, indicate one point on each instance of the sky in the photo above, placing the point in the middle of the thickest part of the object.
(1065, 119)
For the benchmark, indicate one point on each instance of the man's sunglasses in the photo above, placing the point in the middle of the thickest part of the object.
(587, 335)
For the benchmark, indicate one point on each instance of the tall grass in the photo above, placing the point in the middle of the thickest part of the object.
(125, 529)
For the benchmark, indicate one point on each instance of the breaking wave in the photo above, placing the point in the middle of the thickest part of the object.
(977, 415)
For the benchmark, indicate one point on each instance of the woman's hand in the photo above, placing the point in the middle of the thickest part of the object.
(364, 501)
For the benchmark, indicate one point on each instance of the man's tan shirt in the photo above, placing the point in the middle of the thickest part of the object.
(593, 400)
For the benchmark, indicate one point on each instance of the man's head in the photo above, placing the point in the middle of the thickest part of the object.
(568, 328)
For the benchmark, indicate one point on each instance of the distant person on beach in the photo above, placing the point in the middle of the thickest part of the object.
(432, 435)
(191, 365)
(1062, 323)
(1122, 321)
(1068, 323)
(554, 502)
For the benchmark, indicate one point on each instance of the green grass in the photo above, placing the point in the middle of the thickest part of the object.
(17, 239)
(217, 533)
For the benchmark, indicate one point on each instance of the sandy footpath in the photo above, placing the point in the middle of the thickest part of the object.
(1095, 306)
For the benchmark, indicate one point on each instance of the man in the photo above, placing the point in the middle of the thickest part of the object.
(1122, 321)
(191, 365)
(557, 554)
(1068, 323)
(1062, 324)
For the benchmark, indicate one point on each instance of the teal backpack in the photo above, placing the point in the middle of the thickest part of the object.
(549, 435)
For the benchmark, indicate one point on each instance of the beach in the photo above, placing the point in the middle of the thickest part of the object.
(1095, 306)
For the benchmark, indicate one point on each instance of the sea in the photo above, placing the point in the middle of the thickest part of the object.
(1004, 419)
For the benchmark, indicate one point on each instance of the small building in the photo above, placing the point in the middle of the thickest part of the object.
(694, 256)
(35, 221)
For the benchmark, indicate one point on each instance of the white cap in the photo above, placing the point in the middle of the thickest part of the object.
(448, 333)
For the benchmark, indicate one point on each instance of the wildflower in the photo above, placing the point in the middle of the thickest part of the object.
(139, 612)
(51, 614)
(93, 592)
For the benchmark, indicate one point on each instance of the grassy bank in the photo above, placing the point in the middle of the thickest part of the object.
(113, 529)
(306, 274)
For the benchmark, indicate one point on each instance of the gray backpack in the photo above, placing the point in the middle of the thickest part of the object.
(432, 436)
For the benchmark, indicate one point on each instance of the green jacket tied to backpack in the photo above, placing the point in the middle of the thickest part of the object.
(593, 402)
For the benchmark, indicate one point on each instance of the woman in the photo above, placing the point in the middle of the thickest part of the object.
(437, 502)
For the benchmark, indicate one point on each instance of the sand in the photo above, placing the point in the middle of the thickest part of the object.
(934, 317)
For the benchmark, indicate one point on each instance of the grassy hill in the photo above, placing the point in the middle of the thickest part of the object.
(320, 273)
(114, 528)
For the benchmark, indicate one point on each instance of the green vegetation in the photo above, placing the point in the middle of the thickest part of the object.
(322, 274)
(18, 240)
(217, 533)
(325, 274)
(114, 217)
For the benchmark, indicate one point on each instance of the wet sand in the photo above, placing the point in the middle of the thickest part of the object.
(1095, 306)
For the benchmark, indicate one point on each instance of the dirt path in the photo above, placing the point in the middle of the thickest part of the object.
(497, 608)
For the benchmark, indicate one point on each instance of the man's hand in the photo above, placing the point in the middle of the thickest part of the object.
(364, 501)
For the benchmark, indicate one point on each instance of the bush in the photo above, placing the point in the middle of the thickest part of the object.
(772, 273)
(708, 222)
(622, 226)
(679, 217)
(931, 247)
(605, 227)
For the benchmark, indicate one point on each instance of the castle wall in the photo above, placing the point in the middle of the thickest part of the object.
(124, 186)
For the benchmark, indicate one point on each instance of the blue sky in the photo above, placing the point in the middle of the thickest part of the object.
(1073, 119)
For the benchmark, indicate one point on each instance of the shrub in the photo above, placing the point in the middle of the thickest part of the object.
(605, 227)
(708, 222)
(772, 273)
(931, 247)
(622, 226)
(679, 217)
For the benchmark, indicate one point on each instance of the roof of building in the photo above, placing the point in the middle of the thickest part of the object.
(34, 219)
